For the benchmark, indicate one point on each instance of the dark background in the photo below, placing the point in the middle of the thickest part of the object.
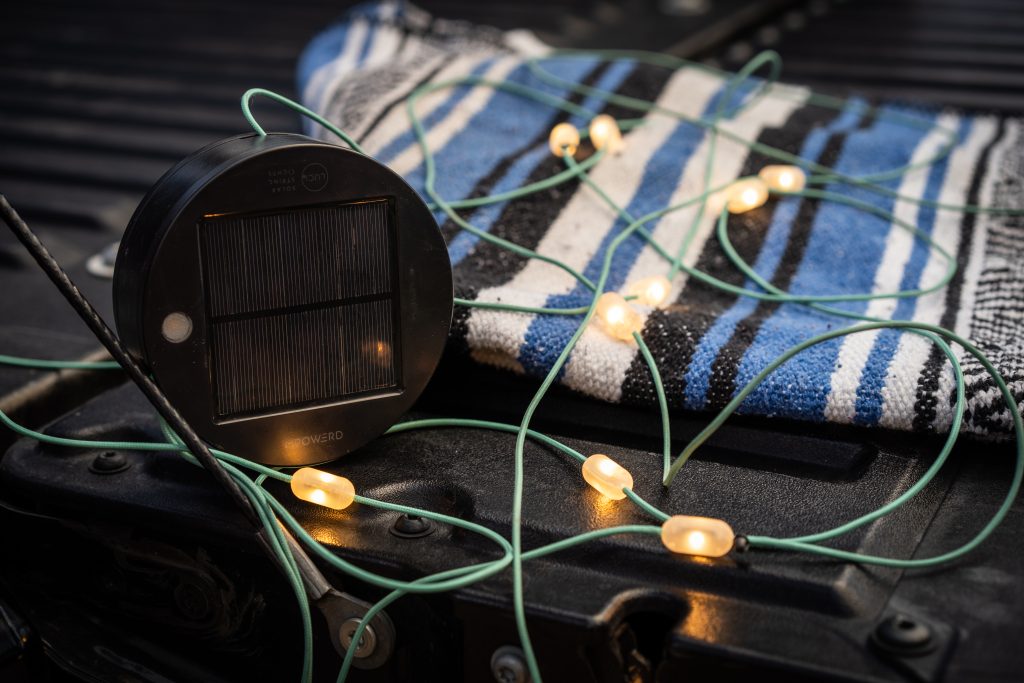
(147, 575)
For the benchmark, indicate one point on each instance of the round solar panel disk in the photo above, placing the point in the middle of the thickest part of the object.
(291, 297)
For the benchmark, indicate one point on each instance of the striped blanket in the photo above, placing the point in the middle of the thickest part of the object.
(708, 343)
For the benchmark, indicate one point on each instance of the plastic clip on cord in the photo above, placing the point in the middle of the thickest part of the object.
(680, 533)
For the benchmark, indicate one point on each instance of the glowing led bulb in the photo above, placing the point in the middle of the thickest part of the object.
(651, 291)
(323, 488)
(697, 536)
(617, 317)
(607, 476)
(783, 178)
(746, 194)
(605, 133)
(564, 139)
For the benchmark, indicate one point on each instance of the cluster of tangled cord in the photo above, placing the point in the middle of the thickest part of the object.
(614, 314)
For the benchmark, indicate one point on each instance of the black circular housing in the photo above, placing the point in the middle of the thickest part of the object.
(290, 297)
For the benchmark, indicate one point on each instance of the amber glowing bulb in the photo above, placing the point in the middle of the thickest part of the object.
(322, 488)
(704, 536)
(564, 139)
(607, 476)
(605, 134)
(651, 291)
(745, 195)
(783, 178)
(617, 317)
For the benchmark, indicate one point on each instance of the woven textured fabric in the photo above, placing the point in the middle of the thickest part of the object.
(708, 343)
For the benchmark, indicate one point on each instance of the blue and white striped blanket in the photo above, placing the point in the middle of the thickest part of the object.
(359, 72)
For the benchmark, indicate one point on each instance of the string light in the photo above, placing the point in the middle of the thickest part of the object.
(322, 488)
(564, 139)
(605, 134)
(617, 317)
(783, 178)
(745, 195)
(704, 536)
(682, 534)
(607, 476)
(651, 291)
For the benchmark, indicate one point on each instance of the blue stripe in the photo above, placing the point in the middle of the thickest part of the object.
(504, 127)
(844, 249)
(548, 335)
(328, 46)
(322, 49)
(872, 381)
(698, 373)
(518, 173)
(407, 137)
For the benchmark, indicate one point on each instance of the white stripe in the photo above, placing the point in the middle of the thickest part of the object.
(770, 111)
(1010, 144)
(599, 364)
(456, 121)
(324, 78)
(387, 39)
(841, 405)
(344, 67)
(899, 394)
(526, 43)
(336, 102)
(579, 228)
(396, 117)
(397, 120)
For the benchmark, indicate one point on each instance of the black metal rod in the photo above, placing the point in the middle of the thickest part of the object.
(107, 337)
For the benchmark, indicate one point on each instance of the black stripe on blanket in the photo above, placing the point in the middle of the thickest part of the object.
(486, 184)
(673, 334)
(401, 99)
(928, 382)
(993, 326)
(527, 220)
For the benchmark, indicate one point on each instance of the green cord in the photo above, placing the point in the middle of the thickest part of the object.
(41, 364)
(636, 225)
(530, 555)
(644, 505)
(273, 515)
(867, 182)
(278, 544)
(986, 531)
(659, 391)
(932, 332)
(484, 424)
(291, 104)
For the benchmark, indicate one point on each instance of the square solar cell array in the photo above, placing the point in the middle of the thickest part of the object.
(301, 306)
